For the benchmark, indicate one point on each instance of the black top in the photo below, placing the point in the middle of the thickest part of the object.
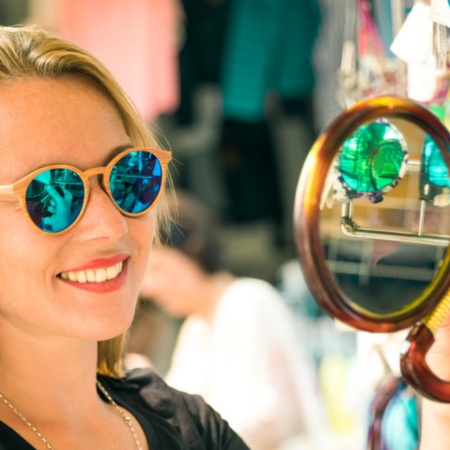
(171, 420)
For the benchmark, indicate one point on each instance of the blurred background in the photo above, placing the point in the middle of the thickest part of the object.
(239, 90)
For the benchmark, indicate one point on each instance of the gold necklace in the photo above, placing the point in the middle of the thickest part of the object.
(122, 412)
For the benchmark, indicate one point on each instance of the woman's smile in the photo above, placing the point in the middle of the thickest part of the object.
(100, 275)
(93, 275)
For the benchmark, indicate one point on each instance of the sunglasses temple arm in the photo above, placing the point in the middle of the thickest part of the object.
(6, 190)
(414, 368)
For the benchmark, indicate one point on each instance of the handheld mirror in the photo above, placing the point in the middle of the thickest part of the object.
(372, 226)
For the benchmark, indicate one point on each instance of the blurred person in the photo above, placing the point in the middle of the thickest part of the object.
(237, 346)
(151, 338)
(267, 54)
(73, 257)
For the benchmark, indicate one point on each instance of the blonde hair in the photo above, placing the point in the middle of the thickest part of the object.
(31, 52)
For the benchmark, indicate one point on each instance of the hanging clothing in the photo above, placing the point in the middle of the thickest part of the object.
(137, 42)
(269, 47)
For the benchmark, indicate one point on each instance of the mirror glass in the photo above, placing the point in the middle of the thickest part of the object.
(385, 215)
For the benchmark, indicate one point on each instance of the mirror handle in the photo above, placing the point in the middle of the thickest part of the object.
(414, 367)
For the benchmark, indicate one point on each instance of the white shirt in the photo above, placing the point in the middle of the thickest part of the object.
(247, 364)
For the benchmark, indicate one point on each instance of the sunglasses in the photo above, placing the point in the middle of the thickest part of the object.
(371, 162)
(55, 197)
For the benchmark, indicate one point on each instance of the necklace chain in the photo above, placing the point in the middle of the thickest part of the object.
(26, 421)
(121, 411)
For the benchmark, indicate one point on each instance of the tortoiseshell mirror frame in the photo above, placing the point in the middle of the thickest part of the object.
(309, 245)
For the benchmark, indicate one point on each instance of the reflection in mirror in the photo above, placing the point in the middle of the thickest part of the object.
(385, 216)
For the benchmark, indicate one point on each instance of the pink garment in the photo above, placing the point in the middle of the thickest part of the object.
(136, 40)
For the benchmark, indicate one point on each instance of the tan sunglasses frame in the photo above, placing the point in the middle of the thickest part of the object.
(19, 188)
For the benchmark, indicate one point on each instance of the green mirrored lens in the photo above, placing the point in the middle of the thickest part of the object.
(435, 170)
(434, 177)
(54, 199)
(371, 158)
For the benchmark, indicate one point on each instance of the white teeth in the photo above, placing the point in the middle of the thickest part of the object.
(111, 272)
(100, 275)
(72, 276)
(81, 277)
(93, 275)
(90, 275)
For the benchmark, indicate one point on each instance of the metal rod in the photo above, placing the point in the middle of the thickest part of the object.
(421, 217)
(350, 228)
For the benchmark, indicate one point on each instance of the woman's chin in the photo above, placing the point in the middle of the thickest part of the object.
(104, 330)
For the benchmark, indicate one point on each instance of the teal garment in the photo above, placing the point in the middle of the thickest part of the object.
(401, 424)
(269, 47)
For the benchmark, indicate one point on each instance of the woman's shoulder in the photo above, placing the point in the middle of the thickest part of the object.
(199, 424)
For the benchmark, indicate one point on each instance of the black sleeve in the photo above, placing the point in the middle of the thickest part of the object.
(214, 430)
(200, 426)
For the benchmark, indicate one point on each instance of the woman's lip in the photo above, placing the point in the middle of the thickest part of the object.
(100, 263)
(104, 287)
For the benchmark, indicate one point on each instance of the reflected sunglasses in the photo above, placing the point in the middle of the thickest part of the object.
(54, 197)
(371, 162)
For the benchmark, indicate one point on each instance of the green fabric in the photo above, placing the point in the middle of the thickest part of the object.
(400, 424)
(269, 47)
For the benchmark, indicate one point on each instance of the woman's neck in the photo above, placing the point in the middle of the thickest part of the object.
(39, 368)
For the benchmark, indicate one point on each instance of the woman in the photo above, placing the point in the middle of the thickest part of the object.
(73, 257)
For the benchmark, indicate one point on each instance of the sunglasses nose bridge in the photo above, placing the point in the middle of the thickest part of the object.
(95, 172)
(102, 175)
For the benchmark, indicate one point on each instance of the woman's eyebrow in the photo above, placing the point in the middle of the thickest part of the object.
(115, 151)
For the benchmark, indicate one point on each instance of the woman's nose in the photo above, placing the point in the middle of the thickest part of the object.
(101, 219)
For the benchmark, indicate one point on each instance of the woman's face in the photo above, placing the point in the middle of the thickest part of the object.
(67, 121)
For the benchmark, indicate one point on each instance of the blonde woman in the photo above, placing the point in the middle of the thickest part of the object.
(74, 250)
